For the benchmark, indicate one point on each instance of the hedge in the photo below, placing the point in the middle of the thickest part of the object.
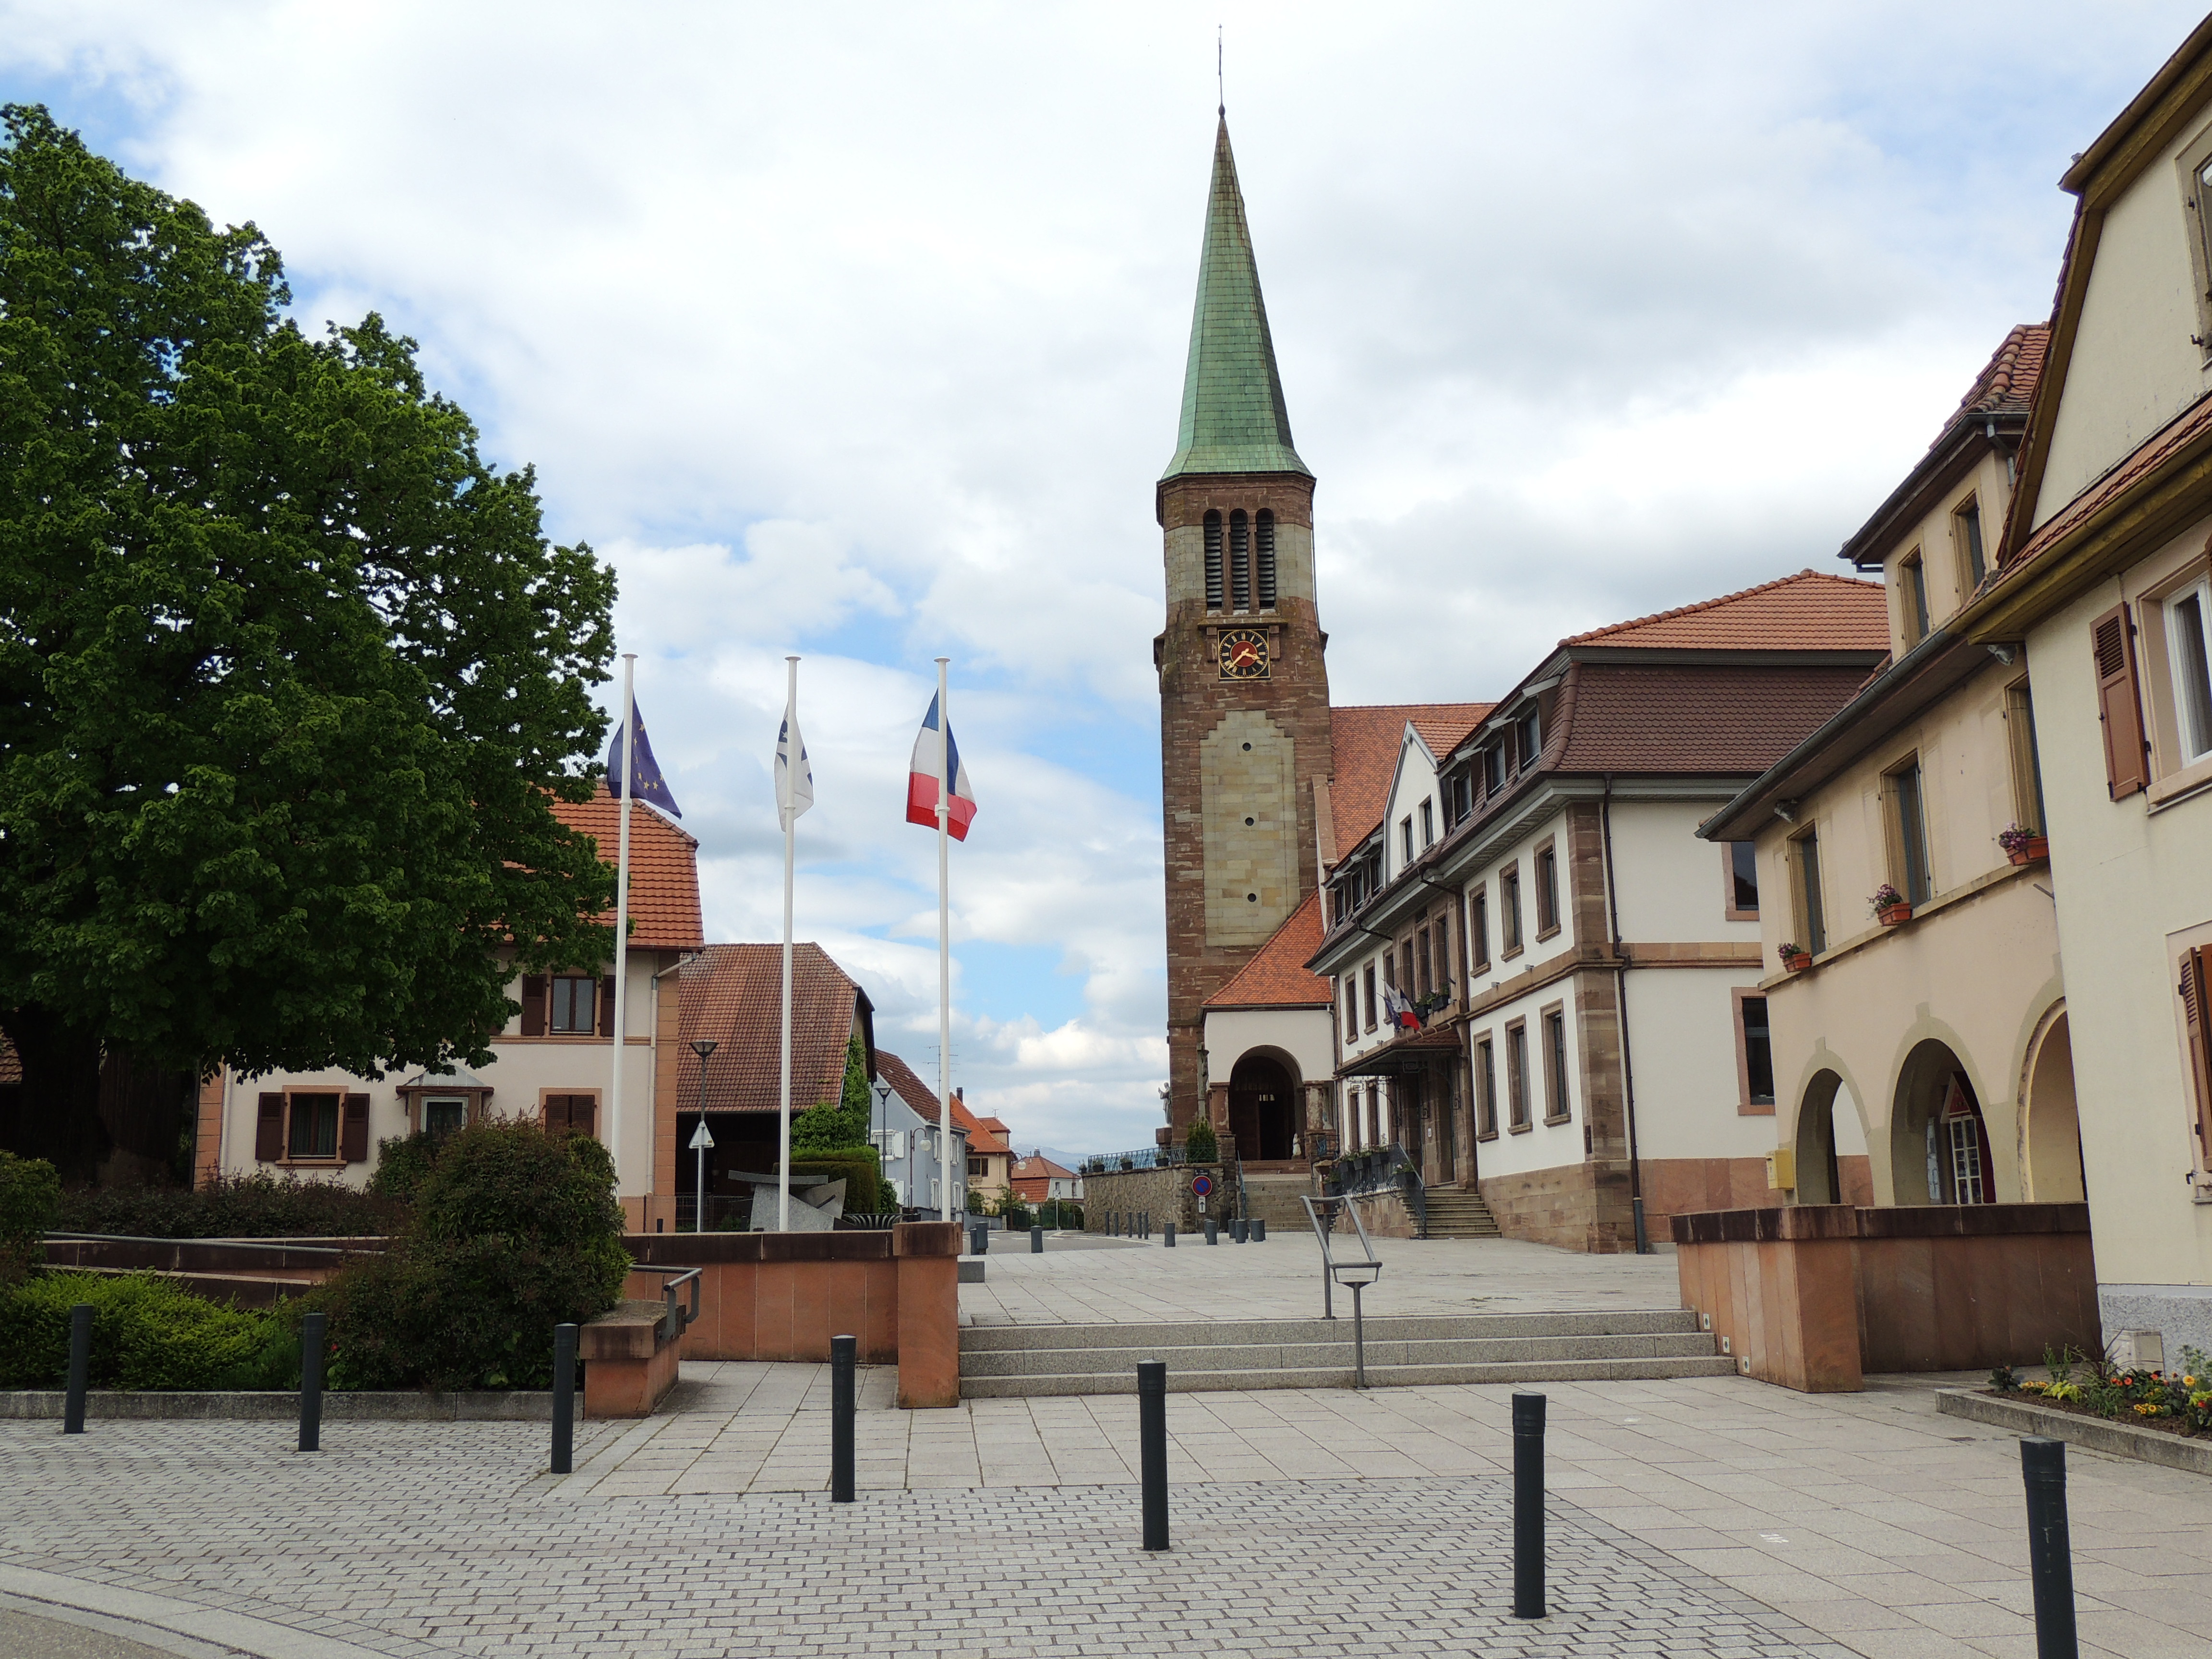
(861, 1169)
(258, 1206)
(147, 1332)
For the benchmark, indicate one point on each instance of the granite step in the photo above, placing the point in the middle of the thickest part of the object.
(1196, 1381)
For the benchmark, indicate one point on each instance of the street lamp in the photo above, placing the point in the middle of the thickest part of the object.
(879, 1136)
(701, 1140)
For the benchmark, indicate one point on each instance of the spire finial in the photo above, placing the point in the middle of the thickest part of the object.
(1220, 85)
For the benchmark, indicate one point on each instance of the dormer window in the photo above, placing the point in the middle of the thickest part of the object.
(1967, 530)
(1428, 825)
(1912, 582)
(1528, 733)
(1213, 561)
(1263, 560)
(1493, 769)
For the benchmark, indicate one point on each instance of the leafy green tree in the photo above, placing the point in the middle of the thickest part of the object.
(289, 677)
(845, 1122)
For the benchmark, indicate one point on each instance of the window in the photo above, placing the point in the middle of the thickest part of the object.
(1264, 558)
(1528, 737)
(1516, 1075)
(1754, 1052)
(1913, 581)
(575, 1005)
(1240, 560)
(1805, 889)
(977, 1167)
(1374, 1114)
(443, 1114)
(1459, 797)
(2188, 622)
(1425, 961)
(572, 1114)
(1509, 906)
(1428, 826)
(565, 1004)
(1477, 927)
(1557, 1103)
(2197, 192)
(2026, 763)
(1486, 1088)
(1966, 531)
(1493, 769)
(314, 1128)
(1440, 936)
(1908, 835)
(1367, 979)
(1406, 837)
(1742, 874)
(1213, 561)
(1547, 891)
(1351, 1011)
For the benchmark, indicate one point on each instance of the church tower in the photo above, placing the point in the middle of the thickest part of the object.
(1244, 724)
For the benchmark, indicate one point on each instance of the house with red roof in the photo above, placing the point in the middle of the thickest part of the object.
(1038, 1180)
(1535, 965)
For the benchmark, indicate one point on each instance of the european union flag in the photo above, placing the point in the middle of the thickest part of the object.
(646, 782)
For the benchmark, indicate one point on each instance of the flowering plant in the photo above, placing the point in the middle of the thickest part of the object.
(2012, 838)
(1884, 896)
(1789, 948)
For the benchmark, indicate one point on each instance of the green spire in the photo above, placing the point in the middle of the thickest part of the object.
(1233, 415)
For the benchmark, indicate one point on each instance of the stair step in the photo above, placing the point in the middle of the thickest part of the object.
(1380, 1328)
(1340, 1376)
(1323, 1356)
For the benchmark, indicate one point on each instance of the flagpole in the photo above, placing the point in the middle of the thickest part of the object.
(622, 917)
(945, 933)
(790, 848)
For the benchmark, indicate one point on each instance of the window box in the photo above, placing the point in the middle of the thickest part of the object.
(1890, 914)
(1795, 961)
(2036, 849)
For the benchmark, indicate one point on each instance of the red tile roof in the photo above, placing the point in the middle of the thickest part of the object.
(663, 871)
(1039, 1168)
(733, 995)
(907, 1083)
(1693, 717)
(1276, 976)
(986, 1135)
(2184, 432)
(2007, 382)
(1363, 756)
(1808, 611)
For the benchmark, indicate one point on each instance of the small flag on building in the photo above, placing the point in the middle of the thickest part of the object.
(646, 783)
(795, 777)
(932, 760)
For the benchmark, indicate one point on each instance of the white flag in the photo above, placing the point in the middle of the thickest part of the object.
(794, 782)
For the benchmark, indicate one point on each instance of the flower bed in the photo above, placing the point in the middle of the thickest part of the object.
(2179, 1404)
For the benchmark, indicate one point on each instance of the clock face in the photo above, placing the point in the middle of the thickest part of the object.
(1245, 654)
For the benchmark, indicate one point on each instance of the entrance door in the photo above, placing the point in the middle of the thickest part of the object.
(1262, 1113)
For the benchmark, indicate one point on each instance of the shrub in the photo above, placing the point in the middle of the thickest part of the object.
(402, 1163)
(258, 1206)
(147, 1332)
(1016, 1214)
(30, 1197)
(1201, 1147)
(835, 1124)
(861, 1168)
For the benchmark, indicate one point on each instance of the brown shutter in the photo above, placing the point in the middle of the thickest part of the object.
(556, 1114)
(607, 1005)
(353, 1130)
(268, 1129)
(534, 1004)
(2120, 705)
(583, 1113)
(2197, 1012)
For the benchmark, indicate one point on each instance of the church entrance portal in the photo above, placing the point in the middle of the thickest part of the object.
(1261, 1097)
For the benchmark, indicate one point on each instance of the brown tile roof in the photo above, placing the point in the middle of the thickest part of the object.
(907, 1083)
(2007, 382)
(733, 995)
(1693, 717)
(663, 871)
(1276, 976)
(1039, 1168)
(1808, 611)
(1363, 756)
(986, 1135)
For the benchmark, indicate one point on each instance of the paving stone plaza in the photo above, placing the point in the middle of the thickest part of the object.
(1705, 1516)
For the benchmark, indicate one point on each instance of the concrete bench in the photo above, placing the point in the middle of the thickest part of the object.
(629, 1359)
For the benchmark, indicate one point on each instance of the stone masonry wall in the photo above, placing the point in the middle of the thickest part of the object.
(1164, 1194)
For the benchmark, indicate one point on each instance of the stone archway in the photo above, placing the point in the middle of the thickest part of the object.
(1263, 1109)
(1820, 1180)
(1939, 1143)
(2053, 1136)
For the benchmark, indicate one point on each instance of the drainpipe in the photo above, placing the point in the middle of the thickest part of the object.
(1621, 993)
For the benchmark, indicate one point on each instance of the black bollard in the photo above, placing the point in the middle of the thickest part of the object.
(1213, 1230)
(1243, 1230)
(312, 1330)
(841, 1352)
(1152, 1447)
(1259, 1229)
(80, 1367)
(1528, 1505)
(564, 1399)
(2049, 1549)
(1167, 1236)
(1036, 1241)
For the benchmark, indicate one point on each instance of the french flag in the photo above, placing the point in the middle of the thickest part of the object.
(933, 759)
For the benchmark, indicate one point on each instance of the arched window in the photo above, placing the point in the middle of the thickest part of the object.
(1264, 561)
(1214, 561)
(1240, 560)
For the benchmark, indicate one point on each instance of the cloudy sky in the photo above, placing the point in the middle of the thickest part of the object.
(858, 332)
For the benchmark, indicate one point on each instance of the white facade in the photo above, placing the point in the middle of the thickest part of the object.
(911, 1151)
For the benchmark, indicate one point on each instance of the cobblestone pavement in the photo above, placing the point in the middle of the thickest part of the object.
(437, 1539)
(1131, 1281)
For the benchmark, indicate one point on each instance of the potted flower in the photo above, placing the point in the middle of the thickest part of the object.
(2023, 846)
(1889, 906)
(1795, 957)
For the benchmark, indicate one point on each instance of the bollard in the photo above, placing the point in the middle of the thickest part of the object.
(1036, 1241)
(80, 1367)
(842, 1349)
(2050, 1549)
(1152, 1447)
(1528, 1505)
(1167, 1236)
(312, 1330)
(564, 1399)
(1259, 1229)
(979, 1240)
(1213, 1230)
(1243, 1234)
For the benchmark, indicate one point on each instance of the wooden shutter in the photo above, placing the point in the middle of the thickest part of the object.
(607, 1005)
(353, 1130)
(534, 1004)
(268, 1129)
(2197, 1012)
(2120, 703)
(583, 1115)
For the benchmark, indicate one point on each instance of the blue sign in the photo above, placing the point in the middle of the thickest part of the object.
(1201, 1184)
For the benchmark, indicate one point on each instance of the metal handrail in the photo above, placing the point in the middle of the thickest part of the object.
(674, 1319)
(1347, 1274)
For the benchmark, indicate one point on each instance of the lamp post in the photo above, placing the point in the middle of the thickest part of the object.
(879, 1136)
(700, 1139)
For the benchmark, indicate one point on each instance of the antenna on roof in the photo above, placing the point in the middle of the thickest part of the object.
(1220, 86)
